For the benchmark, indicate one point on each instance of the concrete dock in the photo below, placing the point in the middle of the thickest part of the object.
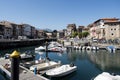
(25, 74)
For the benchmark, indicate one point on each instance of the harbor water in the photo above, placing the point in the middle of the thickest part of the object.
(89, 63)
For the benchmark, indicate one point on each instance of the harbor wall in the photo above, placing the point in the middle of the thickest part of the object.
(8, 44)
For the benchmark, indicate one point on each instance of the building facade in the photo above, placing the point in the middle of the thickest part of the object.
(2, 31)
(10, 30)
(105, 28)
(60, 34)
(7, 29)
(71, 28)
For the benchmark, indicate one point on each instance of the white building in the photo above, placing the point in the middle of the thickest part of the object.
(27, 30)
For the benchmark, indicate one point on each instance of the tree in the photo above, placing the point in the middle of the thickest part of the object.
(85, 34)
(74, 34)
(80, 34)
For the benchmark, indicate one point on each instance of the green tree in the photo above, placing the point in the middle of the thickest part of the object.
(80, 34)
(74, 34)
(85, 34)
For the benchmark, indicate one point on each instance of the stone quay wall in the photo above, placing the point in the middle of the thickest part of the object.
(8, 44)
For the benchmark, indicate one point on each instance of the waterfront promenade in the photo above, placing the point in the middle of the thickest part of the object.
(25, 74)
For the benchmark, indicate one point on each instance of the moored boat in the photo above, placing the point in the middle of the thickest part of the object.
(61, 71)
(25, 56)
(107, 76)
(40, 48)
(45, 65)
(111, 49)
(52, 47)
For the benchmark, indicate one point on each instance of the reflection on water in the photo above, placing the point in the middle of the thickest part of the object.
(102, 59)
(106, 61)
(89, 63)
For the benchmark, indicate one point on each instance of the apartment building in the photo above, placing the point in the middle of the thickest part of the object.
(107, 28)
(33, 32)
(80, 28)
(41, 34)
(60, 34)
(28, 31)
(9, 30)
(1, 31)
(6, 29)
(16, 30)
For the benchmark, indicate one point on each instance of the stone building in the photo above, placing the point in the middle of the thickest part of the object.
(41, 34)
(107, 28)
(6, 30)
(71, 28)
(60, 34)
(28, 31)
(33, 32)
(16, 30)
(80, 28)
(9, 30)
(1, 31)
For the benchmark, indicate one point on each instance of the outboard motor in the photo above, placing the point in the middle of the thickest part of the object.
(71, 64)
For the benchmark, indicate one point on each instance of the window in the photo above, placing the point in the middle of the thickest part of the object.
(115, 29)
(112, 34)
(111, 29)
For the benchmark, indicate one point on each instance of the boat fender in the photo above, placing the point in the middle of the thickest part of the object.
(71, 64)
(35, 70)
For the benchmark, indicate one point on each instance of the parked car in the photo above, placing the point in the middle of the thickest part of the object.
(95, 40)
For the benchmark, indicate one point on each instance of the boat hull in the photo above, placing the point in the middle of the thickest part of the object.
(60, 74)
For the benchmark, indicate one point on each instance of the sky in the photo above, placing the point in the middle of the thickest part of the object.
(57, 14)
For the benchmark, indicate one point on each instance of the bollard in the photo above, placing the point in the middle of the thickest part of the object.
(15, 65)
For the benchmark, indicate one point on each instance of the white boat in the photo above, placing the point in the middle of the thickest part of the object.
(52, 47)
(88, 48)
(40, 48)
(95, 48)
(61, 71)
(84, 48)
(107, 76)
(56, 49)
(25, 56)
(45, 65)
(7, 56)
(54, 44)
(111, 49)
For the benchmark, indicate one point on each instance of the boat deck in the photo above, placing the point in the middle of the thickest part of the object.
(46, 65)
(24, 75)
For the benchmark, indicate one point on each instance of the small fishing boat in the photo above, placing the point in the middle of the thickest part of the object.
(61, 71)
